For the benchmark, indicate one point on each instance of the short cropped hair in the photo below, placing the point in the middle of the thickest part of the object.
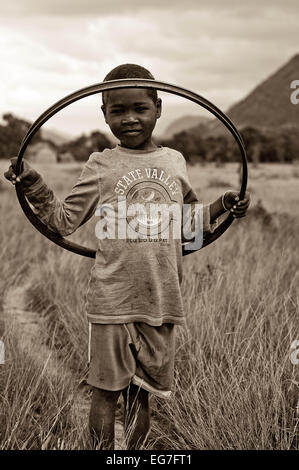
(129, 71)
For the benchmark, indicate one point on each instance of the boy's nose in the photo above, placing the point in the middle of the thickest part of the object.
(129, 120)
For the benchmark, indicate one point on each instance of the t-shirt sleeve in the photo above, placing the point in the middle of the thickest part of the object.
(64, 217)
(197, 209)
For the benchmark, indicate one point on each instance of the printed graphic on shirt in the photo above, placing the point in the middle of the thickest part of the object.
(151, 199)
(156, 174)
(147, 205)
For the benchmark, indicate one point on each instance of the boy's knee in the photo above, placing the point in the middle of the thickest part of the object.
(103, 406)
(136, 398)
(140, 393)
(105, 397)
(102, 414)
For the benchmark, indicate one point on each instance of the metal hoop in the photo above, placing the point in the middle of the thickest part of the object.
(114, 85)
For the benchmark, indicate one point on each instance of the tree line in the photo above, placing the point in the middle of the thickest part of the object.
(270, 145)
(267, 145)
(13, 130)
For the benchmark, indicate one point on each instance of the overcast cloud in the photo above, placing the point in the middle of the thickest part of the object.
(220, 50)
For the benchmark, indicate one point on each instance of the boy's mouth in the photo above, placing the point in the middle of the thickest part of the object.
(131, 132)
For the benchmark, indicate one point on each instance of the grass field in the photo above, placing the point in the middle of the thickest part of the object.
(235, 386)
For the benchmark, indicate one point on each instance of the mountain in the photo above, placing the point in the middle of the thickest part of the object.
(268, 105)
(56, 136)
(183, 123)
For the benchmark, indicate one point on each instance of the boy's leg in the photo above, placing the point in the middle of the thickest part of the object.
(102, 418)
(137, 415)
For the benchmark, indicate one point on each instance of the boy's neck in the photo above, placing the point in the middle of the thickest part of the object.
(149, 146)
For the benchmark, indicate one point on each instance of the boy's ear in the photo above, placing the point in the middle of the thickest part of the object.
(159, 107)
(103, 108)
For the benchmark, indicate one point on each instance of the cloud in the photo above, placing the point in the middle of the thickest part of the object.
(104, 7)
(52, 48)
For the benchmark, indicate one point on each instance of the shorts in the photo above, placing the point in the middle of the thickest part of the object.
(132, 353)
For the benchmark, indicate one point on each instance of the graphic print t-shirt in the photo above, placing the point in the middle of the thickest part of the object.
(135, 278)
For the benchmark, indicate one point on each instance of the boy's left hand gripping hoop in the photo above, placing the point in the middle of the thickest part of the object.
(113, 85)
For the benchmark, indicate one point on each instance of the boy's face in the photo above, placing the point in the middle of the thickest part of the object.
(131, 115)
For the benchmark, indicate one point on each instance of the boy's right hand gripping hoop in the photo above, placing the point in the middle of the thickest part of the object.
(114, 85)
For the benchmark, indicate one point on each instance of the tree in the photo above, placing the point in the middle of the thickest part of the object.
(84, 145)
(190, 144)
(12, 134)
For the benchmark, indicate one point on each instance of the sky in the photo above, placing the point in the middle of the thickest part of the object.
(219, 49)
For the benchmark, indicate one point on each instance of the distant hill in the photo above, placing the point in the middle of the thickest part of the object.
(55, 136)
(183, 123)
(268, 105)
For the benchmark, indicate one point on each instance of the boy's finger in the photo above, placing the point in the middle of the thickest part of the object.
(13, 161)
(9, 174)
(240, 214)
(241, 206)
(239, 209)
(244, 202)
(24, 174)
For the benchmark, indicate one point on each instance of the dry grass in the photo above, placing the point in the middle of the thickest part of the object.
(235, 387)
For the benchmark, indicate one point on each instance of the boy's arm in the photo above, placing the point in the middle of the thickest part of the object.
(76, 209)
(230, 201)
(209, 222)
(216, 209)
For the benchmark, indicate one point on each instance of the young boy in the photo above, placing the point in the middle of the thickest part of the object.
(133, 303)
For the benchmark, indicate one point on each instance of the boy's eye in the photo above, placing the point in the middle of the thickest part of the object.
(139, 109)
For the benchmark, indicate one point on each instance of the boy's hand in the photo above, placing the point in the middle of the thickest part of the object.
(27, 177)
(232, 203)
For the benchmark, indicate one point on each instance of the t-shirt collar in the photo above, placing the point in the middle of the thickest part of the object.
(159, 149)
